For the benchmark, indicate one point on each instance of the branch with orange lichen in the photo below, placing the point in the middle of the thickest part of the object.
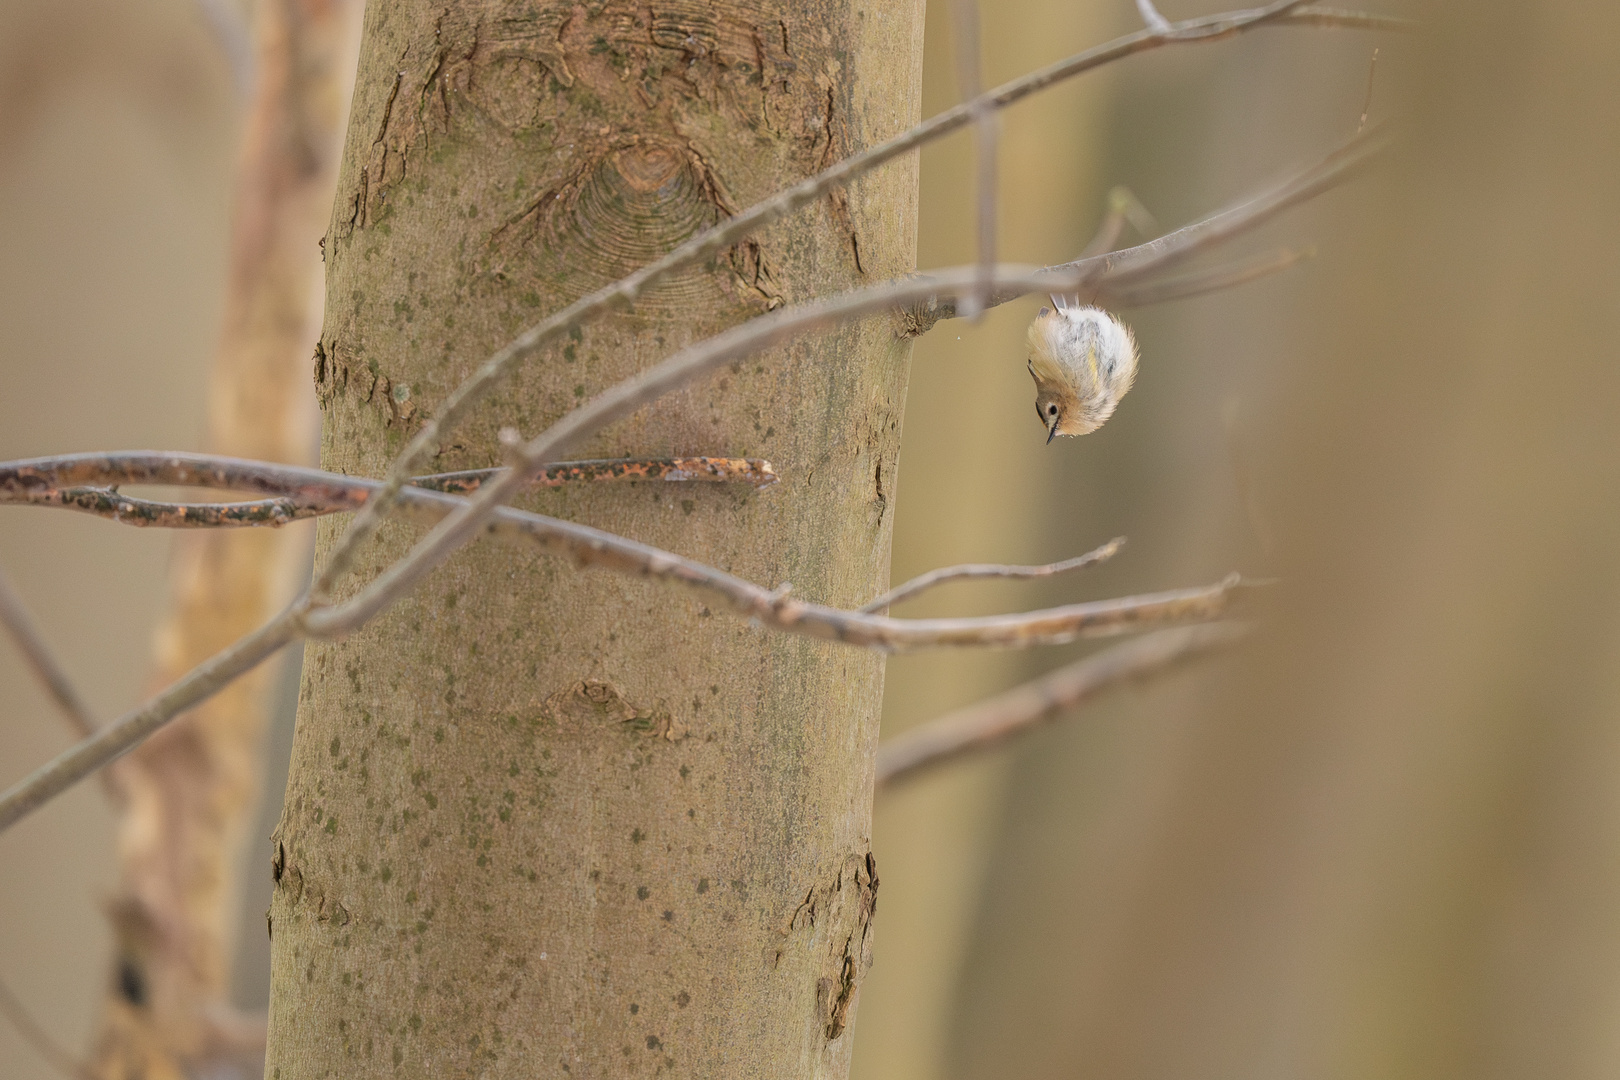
(89, 483)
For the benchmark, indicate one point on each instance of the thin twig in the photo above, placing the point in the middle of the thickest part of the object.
(1105, 277)
(1211, 280)
(720, 470)
(124, 734)
(923, 582)
(965, 21)
(723, 235)
(1018, 710)
(1120, 269)
(1366, 107)
(36, 1036)
(1123, 208)
(31, 643)
(109, 502)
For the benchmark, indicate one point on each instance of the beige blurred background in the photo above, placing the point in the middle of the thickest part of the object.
(1381, 841)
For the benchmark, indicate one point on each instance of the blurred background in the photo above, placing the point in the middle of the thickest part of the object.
(1382, 839)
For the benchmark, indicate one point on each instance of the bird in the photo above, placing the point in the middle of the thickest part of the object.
(1083, 360)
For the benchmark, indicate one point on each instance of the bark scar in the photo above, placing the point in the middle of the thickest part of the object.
(835, 918)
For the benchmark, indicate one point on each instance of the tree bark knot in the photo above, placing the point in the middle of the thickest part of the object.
(591, 704)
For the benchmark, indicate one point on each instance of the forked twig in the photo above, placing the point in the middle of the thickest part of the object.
(1150, 15)
(1123, 208)
(31, 643)
(996, 719)
(923, 582)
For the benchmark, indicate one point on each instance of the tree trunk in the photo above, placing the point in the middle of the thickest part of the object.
(542, 821)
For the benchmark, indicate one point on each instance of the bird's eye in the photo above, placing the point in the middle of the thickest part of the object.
(1051, 410)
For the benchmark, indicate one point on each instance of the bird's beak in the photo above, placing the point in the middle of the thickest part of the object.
(1052, 434)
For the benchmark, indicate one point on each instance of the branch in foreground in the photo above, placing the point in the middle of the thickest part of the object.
(31, 643)
(300, 504)
(923, 582)
(1023, 708)
(723, 235)
(125, 733)
(587, 547)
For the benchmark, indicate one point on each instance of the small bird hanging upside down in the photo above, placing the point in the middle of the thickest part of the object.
(1083, 361)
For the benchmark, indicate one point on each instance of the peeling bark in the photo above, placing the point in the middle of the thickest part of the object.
(543, 823)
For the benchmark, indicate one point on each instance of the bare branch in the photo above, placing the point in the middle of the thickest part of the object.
(1342, 19)
(968, 64)
(923, 582)
(124, 734)
(40, 1039)
(31, 643)
(1116, 270)
(772, 609)
(109, 502)
(996, 719)
(1107, 276)
(1212, 280)
(586, 547)
(723, 235)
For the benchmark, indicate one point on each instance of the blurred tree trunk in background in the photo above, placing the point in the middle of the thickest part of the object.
(538, 820)
(1382, 841)
(188, 794)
